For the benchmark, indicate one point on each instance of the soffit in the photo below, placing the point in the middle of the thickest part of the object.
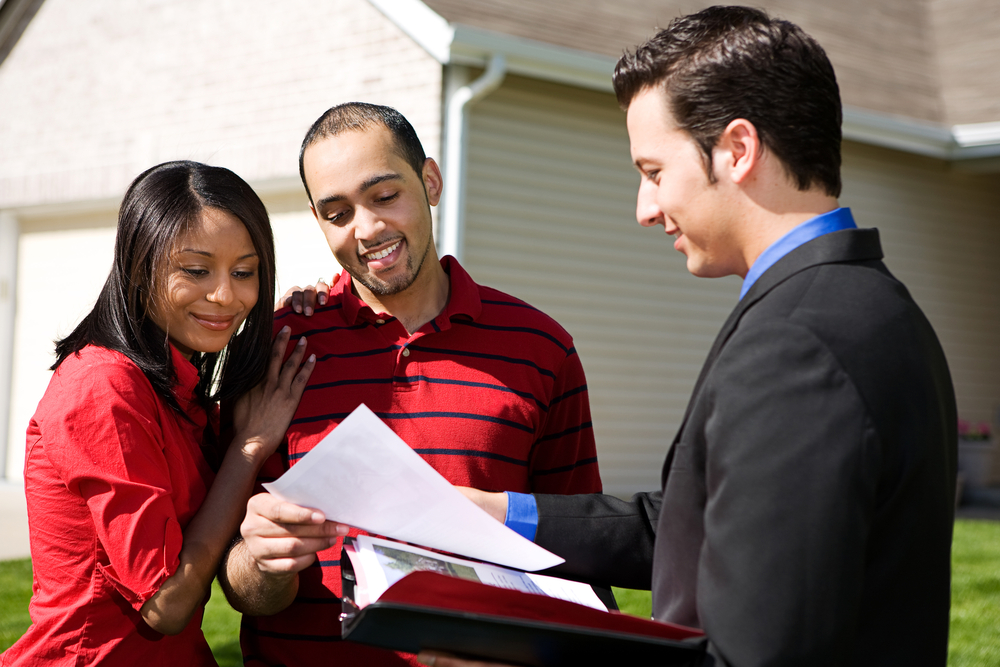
(882, 51)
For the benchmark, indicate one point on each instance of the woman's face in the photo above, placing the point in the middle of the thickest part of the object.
(210, 284)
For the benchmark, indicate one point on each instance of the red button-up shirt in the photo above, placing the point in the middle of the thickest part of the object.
(112, 477)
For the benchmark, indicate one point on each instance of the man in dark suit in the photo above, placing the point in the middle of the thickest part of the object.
(806, 511)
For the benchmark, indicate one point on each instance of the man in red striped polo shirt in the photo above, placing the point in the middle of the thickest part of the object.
(489, 390)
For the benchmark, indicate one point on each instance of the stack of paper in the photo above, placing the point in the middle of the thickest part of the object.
(364, 475)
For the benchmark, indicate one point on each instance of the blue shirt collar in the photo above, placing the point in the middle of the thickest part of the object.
(834, 221)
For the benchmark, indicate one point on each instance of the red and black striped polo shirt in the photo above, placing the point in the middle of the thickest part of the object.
(491, 393)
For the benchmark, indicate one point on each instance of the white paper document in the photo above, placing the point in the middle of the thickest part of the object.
(379, 563)
(364, 475)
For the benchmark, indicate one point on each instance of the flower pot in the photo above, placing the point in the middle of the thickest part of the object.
(975, 462)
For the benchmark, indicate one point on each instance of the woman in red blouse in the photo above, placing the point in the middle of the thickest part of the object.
(131, 498)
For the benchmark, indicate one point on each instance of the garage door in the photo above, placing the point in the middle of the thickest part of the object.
(550, 218)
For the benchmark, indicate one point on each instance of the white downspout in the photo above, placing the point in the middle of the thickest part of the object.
(452, 220)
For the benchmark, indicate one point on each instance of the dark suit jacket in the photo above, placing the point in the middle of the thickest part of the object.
(808, 497)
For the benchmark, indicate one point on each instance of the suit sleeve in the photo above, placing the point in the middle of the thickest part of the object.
(605, 540)
(564, 457)
(790, 469)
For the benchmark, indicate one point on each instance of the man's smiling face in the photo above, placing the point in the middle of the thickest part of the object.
(372, 207)
(675, 190)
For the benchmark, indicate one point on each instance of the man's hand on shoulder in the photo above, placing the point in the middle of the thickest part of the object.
(304, 300)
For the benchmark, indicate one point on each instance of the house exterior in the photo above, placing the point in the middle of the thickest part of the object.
(513, 97)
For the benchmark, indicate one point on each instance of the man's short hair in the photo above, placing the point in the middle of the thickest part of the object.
(724, 63)
(360, 117)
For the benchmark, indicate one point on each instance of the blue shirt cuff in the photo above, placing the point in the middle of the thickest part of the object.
(522, 514)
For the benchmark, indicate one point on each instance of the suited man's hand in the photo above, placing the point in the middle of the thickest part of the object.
(495, 504)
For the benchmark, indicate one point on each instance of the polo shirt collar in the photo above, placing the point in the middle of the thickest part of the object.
(463, 297)
(351, 305)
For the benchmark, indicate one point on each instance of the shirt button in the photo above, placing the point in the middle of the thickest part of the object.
(406, 351)
(379, 321)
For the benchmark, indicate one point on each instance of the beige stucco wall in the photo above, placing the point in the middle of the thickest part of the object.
(97, 91)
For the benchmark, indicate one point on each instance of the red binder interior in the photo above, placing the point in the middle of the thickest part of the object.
(439, 591)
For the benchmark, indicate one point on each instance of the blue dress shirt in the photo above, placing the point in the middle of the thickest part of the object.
(834, 221)
(522, 510)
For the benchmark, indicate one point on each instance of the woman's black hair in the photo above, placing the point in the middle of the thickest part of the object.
(161, 204)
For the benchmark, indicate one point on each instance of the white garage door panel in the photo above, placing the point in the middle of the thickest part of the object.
(302, 254)
(62, 266)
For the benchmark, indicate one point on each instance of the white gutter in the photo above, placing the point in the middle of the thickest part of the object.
(451, 233)
(458, 44)
(955, 143)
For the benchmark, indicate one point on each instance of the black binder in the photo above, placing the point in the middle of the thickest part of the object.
(432, 611)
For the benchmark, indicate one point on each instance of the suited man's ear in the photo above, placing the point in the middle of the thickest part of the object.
(738, 152)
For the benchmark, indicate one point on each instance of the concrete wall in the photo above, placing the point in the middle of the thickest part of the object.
(97, 91)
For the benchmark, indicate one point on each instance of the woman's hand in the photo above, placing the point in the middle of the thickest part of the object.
(261, 416)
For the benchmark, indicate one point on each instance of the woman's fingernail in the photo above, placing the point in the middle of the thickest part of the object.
(285, 329)
(302, 341)
(312, 358)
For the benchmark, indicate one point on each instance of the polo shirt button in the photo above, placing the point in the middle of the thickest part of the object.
(406, 351)
(379, 321)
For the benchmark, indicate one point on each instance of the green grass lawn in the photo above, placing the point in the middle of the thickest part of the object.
(975, 608)
(975, 595)
(221, 624)
(15, 591)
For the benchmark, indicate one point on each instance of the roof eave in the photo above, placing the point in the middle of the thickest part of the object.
(956, 143)
(455, 43)
(459, 44)
(474, 46)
